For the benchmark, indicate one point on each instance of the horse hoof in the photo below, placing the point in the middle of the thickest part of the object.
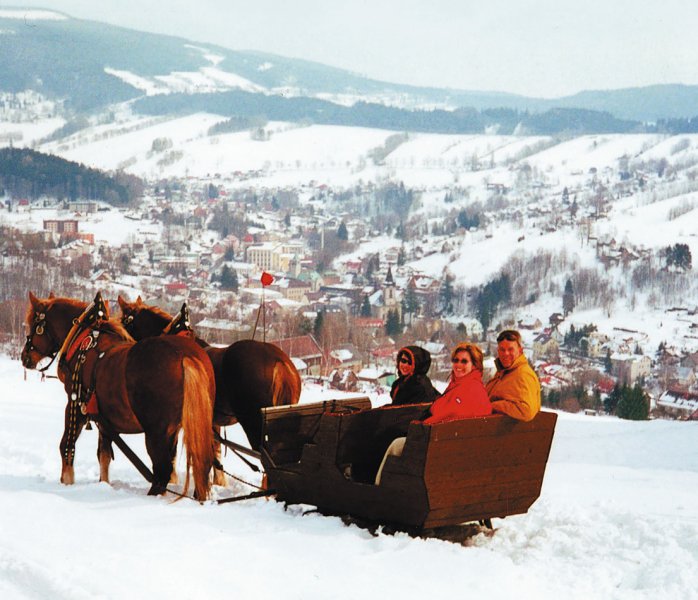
(68, 476)
(157, 490)
(219, 478)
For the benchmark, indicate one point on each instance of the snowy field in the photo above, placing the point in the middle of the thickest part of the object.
(617, 518)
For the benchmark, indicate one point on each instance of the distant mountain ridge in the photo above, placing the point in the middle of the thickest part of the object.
(92, 65)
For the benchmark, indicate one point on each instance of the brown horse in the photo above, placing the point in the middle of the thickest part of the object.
(250, 375)
(156, 387)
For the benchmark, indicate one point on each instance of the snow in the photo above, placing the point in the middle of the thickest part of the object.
(112, 227)
(31, 15)
(617, 519)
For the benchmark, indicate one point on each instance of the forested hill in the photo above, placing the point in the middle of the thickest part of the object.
(29, 174)
(241, 104)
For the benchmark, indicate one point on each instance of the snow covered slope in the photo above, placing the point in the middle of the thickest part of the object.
(617, 519)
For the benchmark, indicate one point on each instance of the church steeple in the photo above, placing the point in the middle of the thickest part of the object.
(389, 277)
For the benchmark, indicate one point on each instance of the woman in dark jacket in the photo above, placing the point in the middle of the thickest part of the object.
(412, 385)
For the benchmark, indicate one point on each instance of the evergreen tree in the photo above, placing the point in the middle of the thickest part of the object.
(401, 258)
(392, 323)
(342, 232)
(411, 301)
(446, 295)
(229, 279)
(319, 323)
(607, 362)
(612, 400)
(365, 307)
(467, 220)
(568, 302)
(491, 295)
(633, 404)
(552, 398)
(679, 256)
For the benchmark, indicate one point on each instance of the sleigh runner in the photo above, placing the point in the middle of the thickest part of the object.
(327, 454)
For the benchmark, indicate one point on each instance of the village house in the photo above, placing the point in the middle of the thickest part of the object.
(292, 289)
(596, 344)
(67, 227)
(545, 347)
(222, 331)
(345, 357)
(376, 377)
(305, 348)
(426, 291)
(629, 369)
(679, 403)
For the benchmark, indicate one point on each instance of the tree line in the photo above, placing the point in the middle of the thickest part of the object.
(240, 105)
(25, 173)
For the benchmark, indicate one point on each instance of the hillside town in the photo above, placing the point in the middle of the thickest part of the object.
(349, 286)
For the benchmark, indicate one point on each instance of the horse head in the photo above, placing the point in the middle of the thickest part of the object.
(142, 320)
(48, 322)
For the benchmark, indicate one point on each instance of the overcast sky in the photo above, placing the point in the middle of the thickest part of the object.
(543, 48)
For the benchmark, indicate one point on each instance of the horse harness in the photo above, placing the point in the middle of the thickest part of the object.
(79, 362)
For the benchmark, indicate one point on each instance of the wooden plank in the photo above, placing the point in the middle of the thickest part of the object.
(494, 425)
(466, 494)
(468, 454)
(485, 476)
(272, 413)
(476, 512)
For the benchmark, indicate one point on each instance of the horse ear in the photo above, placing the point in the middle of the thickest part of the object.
(34, 300)
(139, 300)
(121, 302)
(51, 296)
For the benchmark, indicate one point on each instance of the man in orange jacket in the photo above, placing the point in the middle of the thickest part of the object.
(514, 390)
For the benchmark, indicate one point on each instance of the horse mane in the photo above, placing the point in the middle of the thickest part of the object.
(156, 311)
(114, 326)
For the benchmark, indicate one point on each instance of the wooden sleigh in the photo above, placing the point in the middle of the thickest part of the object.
(327, 454)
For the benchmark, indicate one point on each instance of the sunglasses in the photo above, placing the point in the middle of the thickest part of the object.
(463, 361)
(405, 361)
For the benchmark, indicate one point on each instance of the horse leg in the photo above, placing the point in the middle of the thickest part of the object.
(162, 449)
(219, 477)
(174, 478)
(105, 454)
(73, 424)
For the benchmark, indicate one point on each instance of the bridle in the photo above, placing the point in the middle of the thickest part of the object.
(127, 322)
(39, 328)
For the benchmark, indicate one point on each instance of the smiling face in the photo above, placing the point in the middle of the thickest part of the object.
(462, 364)
(404, 365)
(508, 351)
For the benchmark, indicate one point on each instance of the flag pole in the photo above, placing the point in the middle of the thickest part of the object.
(264, 318)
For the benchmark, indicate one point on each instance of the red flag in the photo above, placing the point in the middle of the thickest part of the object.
(267, 279)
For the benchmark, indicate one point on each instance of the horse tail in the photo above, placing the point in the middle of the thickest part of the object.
(197, 420)
(285, 384)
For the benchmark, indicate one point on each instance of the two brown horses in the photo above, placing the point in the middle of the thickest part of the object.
(250, 375)
(156, 386)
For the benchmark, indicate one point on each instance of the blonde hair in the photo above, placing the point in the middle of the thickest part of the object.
(473, 351)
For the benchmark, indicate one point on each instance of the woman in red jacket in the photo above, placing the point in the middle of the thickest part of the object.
(464, 397)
